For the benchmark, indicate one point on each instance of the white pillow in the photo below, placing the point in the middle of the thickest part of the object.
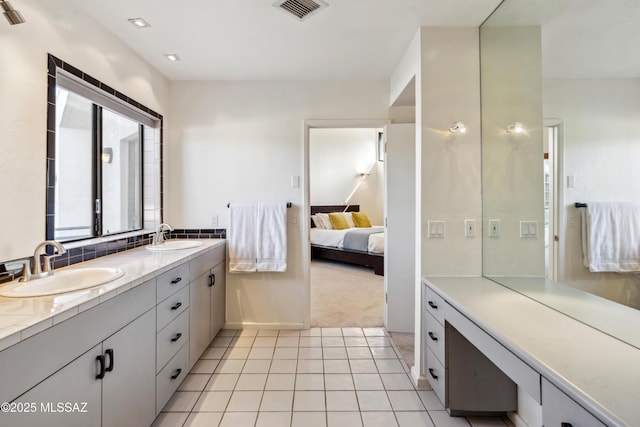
(323, 218)
(316, 221)
(349, 218)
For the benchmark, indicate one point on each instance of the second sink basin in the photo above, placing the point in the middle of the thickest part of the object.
(62, 281)
(172, 245)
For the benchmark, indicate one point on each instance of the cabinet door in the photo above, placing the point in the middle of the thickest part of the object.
(559, 410)
(199, 317)
(128, 391)
(218, 303)
(70, 397)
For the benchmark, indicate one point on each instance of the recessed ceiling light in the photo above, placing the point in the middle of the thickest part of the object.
(139, 23)
(172, 57)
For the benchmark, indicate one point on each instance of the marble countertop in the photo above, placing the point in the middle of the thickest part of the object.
(598, 371)
(21, 318)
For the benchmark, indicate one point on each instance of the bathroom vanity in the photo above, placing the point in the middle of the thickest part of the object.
(498, 342)
(111, 355)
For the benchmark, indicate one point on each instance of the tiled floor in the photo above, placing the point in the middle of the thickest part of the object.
(327, 377)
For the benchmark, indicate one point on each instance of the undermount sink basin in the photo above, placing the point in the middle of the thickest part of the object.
(62, 281)
(173, 245)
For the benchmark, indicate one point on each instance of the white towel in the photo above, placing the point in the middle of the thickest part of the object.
(243, 220)
(613, 237)
(257, 237)
(271, 239)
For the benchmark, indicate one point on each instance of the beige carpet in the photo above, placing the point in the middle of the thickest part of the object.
(343, 295)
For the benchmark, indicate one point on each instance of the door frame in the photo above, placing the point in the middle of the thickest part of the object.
(557, 220)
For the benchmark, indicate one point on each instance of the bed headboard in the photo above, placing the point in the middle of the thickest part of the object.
(334, 208)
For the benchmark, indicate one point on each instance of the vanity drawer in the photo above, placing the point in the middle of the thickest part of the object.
(436, 376)
(207, 261)
(171, 338)
(171, 281)
(172, 307)
(170, 377)
(434, 304)
(558, 409)
(434, 336)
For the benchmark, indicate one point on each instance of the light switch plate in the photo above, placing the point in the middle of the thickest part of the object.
(435, 229)
(528, 229)
(494, 228)
(469, 228)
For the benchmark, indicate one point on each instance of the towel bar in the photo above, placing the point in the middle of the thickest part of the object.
(580, 205)
(288, 204)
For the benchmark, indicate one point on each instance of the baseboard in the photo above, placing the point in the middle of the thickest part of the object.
(419, 381)
(257, 325)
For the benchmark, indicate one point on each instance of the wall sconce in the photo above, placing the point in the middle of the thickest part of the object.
(457, 127)
(107, 155)
(13, 16)
(516, 127)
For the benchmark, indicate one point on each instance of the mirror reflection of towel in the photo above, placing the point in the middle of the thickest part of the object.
(257, 237)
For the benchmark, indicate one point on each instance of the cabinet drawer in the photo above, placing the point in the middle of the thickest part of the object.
(558, 409)
(434, 304)
(171, 338)
(173, 306)
(170, 377)
(171, 281)
(435, 337)
(207, 261)
(436, 376)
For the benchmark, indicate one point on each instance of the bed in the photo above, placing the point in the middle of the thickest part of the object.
(329, 244)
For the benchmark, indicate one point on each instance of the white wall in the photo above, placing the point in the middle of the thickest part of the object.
(242, 141)
(336, 158)
(58, 28)
(601, 148)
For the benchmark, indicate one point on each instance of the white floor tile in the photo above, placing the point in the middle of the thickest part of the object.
(213, 353)
(355, 341)
(344, 419)
(194, 382)
(261, 353)
(212, 401)
(283, 366)
(221, 382)
(310, 353)
(383, 353)
(170, 419)
(228, 332)
(308, 401)
(338, 382)
(312, 332)
(256, 366)
(331, 341)
(334, 353)
(268, 333)
(342, 401)
(331, 332)
(367, 382)
(379, 419)
(352, 332)
(287, 341)
(181, 401)
(285, 353)
(273, 419)
(374, 332)
(238, 419)
(430, 400)
(389, 366)
(310, 366)
(205, 366)
(221, 341)
(265, 342)
(242, 342)
(310, 382)
(414, 419)
(310, 341)
(277, 401)
(251, 382)
(397, 382)
(309, 419)
(405, 400)
(280, 382)
(248, 332)
(237, 353)
(337, 367)
(373, 400)
(244, 401)
(228, 366)
(289, 333)
(375, 341)
(203, 419)
(359, 353)
(363, 366)
(442, 419)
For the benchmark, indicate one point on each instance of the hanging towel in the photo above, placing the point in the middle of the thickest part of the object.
(257, 237)
(243, 220)
(271, 249)
(613, 237)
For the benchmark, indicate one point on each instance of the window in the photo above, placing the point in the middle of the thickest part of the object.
(96, 180)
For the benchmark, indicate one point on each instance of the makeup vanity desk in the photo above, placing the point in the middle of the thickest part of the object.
(484, 341)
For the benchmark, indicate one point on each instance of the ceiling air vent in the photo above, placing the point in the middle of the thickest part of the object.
(301, 9)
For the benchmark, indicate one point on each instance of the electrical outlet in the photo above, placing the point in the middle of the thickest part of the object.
(494, 228)
(469, 228)
(214, 221)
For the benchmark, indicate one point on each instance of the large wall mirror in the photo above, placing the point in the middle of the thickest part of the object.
(561, 125)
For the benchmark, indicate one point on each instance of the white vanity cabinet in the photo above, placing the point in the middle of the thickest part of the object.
(559, 410)
(207, 307)
(115, 377)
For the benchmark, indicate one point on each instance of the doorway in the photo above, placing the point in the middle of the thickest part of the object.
(551, 142)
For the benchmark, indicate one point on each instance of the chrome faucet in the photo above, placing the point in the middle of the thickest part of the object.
(36, 271)
(158, 237)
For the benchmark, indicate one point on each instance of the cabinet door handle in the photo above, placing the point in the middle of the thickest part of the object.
(212, 279)
(176, 337)
(566, 425)
(176, 306)
(433, 336)
(100, 360)
(176, 280)
(433, 374)
(433, 305)
(176, 374)
(109, 352)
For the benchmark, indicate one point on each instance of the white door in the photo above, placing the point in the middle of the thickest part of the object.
(399, 247)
